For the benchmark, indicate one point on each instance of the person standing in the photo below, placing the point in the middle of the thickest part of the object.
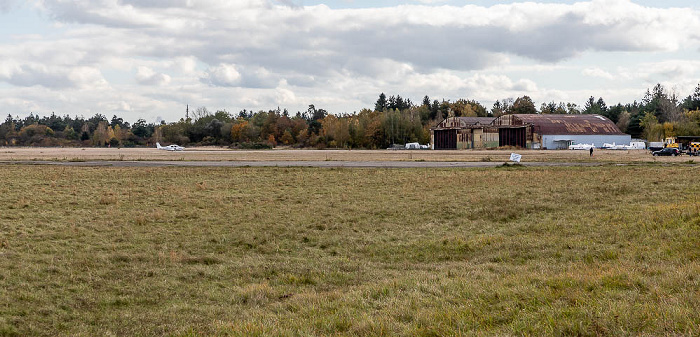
(591, 151)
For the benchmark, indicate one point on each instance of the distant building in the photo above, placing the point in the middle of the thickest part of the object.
(463, 133)
(532, 131)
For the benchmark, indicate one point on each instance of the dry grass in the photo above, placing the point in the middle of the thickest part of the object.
(412, 252)
(220, 154)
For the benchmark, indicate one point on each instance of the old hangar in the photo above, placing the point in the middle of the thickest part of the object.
(532, 131)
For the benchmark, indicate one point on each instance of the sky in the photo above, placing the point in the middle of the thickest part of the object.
(151, 59)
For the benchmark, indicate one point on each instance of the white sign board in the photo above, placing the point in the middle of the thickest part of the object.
(515, 157)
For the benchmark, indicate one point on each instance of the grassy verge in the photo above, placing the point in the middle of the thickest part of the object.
(219, 154)
(412, 252)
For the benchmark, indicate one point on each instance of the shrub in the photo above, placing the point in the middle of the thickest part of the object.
(251, 146)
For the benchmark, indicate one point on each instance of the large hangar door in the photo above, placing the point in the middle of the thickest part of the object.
(445, 139)
(512, 137)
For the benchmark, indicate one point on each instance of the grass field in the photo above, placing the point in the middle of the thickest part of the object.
(222, 154)
(608, 250)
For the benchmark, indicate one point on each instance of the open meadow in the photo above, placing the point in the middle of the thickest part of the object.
(187, 251)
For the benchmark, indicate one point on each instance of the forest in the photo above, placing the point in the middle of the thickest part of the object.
(392, 120)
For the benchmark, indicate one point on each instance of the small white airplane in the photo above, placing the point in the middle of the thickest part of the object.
(632, 146)
(581, 146)
(172, 147)
(614, 146)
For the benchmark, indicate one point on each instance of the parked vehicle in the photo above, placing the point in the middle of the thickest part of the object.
(416, 146)
(631, 146)
(578, 146)
(669, 151)
(655, 146)
(671, 142)
(637, 146)
(689, 145)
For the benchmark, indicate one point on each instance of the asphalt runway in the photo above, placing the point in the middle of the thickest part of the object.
(278, 163)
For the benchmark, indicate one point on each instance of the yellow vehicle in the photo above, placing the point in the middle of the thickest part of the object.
(689, 145)
(671, 142)
(694, 148)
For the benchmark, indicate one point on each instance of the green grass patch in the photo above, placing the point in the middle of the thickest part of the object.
(368, 252)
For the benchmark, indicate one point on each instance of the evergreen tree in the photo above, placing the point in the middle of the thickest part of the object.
(381, 104)
(692, 102)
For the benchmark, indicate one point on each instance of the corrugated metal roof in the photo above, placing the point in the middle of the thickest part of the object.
(475, 120)
(463, 122)
(553, 124)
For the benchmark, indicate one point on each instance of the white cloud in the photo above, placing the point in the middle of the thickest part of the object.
(501, 84)
(224, 75)
(525, 85)
(35, 74)
(597, 72)
(184, 65)
(667, 71)
(146, 76)
(286, 97)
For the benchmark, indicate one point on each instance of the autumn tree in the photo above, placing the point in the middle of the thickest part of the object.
(524, 105)
(623, 121)
(35, 134)
(335, 130)
(69, 133)
(690, 125)
(100, 137)
(239, 132)
(287, 138)
(366, 127)
(468, 108)
(653, 131)
(271, 140)
(298, 125)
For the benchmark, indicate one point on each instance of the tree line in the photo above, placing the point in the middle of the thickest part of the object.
(393, 120)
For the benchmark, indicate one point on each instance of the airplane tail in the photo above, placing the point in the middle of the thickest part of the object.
(158, 145)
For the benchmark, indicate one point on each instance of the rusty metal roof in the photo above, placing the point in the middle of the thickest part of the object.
(476, 120)
(554, 124)
(463, 122)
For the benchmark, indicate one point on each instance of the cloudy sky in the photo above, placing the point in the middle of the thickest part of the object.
(150, 58)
